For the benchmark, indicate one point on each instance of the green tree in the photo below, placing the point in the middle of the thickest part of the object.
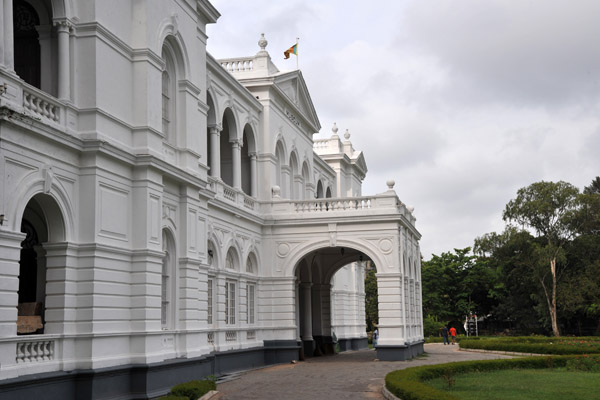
(456, 284)
(549, 210)
(371, 301)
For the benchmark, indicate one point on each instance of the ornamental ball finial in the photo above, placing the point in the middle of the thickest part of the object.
(390, 184)
(410, 209)
(262, 42)
(347, 135)
(334, 129)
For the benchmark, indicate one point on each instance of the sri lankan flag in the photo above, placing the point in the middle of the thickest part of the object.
(291, 50)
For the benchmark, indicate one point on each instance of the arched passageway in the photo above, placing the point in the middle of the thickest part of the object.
(314, 274)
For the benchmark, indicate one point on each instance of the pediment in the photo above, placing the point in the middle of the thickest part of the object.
(293, 86)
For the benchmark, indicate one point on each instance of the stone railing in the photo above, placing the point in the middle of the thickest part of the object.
(332, 204)
(249, 202)
(245, 64)
(35, 351)
(386, 203)
(230, 336)
(211, 337)
(231, 195)
(41, 105)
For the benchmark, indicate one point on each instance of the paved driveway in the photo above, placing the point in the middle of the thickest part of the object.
(350, 375)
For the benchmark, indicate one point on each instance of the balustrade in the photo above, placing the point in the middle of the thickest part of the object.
(35, 351)
(230, 336)
(40, 106)
(238, 65)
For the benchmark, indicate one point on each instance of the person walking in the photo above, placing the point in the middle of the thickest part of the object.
(445, 335)
(453, 334)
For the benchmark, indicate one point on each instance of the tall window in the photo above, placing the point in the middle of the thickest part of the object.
(230, 303)
(210, 302)
(166, 290)
(169, 93)
(166, 102)
(250, 293)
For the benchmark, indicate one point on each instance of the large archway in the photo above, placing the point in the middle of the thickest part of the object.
(42, 223)
(314, 274)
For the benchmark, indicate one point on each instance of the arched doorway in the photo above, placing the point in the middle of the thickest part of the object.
(42, 223)
(314, 274)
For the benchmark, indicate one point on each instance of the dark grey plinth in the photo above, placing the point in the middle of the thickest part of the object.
(353, 344)
(143, 381)
(399, 352)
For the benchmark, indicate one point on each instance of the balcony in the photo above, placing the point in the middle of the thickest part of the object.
(232, 196)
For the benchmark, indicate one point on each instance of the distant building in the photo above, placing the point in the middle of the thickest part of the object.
(166, 215)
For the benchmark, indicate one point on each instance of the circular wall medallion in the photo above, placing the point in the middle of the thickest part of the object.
(283, 249)
(385, 245)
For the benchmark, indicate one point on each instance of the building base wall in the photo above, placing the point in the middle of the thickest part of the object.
(130, 382)
(400, 353)
(353, 344)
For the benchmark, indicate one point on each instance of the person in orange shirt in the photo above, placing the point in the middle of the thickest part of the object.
(453, 334)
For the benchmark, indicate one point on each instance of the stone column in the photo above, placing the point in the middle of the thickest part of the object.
(64, 60)
(2, 43)
(215, 151)
(253, 176)
(236, 154)
(307, 316)
(297, 285)
(9, 55)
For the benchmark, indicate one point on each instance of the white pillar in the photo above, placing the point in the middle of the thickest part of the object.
(64, 60)
(9, 55)
(215, 151)
(2, 42)
(307, 316)
(253, 176)
(392, 326)
(297, 284)
(236, 151)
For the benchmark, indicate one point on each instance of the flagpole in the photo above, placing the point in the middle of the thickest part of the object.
(297, 54)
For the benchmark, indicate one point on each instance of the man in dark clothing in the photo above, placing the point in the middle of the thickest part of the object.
(445, 335)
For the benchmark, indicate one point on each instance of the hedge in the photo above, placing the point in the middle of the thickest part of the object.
(193, 390)
(410, 383)
(537, 345)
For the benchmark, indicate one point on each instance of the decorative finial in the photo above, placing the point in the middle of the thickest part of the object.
(334, 129)
(262, 42)
(347, 135)
(390, 184)
(410, 209)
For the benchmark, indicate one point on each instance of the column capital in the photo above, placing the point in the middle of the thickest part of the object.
(215, 129)
(63, 25)
(236, 142)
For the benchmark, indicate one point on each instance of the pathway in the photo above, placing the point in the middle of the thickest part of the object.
(349, 375)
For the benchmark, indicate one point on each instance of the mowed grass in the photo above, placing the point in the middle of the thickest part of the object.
(532, 384)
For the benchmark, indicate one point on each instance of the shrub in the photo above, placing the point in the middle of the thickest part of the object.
(537, 345)
(584, 363)
(410, 383)
(171, 397)
(193, 390)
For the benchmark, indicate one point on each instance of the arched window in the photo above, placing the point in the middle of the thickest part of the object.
(229, 263)
(168, 94)
(26, 43)
(249, 265)
(319, 190)
(167, 280)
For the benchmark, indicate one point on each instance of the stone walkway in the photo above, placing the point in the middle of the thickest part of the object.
(350, 375)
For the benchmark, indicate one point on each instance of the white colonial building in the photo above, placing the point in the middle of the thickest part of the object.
(165, 215)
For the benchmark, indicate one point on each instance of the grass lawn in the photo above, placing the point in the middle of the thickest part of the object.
(528, 384)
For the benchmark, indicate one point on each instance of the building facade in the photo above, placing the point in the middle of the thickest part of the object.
(165, 215)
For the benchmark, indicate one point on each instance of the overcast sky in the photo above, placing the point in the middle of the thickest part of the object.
(461, 102)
